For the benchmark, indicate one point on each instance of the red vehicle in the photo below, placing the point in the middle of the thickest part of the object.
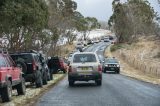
(11, 77)
(57, 64)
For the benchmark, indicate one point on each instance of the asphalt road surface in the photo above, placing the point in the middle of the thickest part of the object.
(116, 90)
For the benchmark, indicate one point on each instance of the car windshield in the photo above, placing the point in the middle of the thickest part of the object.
(79, 58)
(111, 61)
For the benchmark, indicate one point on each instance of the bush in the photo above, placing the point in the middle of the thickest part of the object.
(116, 47)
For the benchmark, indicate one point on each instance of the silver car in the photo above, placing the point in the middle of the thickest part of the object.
(85, 66)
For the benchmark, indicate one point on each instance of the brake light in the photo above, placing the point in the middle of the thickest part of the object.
(61, 64)
(99, 68)
(71, 69)
(34, 65)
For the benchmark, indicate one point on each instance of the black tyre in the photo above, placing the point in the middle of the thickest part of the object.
(48, 76)
(21, 88)
(51, 76)
(45, 78)
(71, 83)
(99, 82)
(22, 65)
(39, 82)
(6, 93)
(64, 71)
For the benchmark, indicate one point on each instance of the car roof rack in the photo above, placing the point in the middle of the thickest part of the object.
(30, 51)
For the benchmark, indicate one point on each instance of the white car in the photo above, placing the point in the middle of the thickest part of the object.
(85, 66)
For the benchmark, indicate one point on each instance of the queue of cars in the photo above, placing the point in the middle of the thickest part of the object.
(20, 67)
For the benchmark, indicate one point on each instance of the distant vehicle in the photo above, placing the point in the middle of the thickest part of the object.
(31, 67)
(70, 57)
(85, 66)
(79, 45)
(106, 39)
(58, 64)
(11, 77)
(90, 42)
(111, 65)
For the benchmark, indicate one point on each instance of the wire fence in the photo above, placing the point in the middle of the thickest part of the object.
(147, 66)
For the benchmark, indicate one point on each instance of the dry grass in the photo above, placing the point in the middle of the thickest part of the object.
(66, 49)
(149, 48)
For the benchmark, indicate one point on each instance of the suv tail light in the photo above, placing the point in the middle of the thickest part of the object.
(71, 69)
(61, 64)
(34, 65)
(99, 68)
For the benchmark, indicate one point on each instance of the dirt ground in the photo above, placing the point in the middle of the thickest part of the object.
(32, 93)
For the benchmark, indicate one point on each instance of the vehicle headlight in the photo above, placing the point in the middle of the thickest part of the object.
(106, 65)
(118, 65)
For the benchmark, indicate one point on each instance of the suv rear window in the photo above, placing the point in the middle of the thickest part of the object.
(79, 58)
(22, 57)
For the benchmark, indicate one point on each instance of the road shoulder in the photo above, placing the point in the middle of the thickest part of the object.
(130, 71)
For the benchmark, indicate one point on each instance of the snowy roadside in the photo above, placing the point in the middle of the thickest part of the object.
(32, 93)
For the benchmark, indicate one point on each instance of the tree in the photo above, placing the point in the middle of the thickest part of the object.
(132, 19)
(21, 21)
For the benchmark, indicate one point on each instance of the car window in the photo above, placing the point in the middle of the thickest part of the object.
(2, 62)
(111, 61)
(78, 58)
(23, 57)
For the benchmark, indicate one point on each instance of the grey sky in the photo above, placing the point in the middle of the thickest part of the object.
(102, 9)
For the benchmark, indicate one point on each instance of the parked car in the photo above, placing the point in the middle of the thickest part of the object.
(111, 65)
(57, 64)
(85, 66)
(31, 66)
(11, 77)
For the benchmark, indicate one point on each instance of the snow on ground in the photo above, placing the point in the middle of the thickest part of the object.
(95, 33)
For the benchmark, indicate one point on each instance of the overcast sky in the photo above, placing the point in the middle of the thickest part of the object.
(102, 9)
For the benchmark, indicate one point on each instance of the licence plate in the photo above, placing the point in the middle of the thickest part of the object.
(85, 73)
(84, 68)
(112, 68)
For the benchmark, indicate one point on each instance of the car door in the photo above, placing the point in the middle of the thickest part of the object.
(3, 69)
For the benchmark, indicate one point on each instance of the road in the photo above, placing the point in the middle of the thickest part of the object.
(116, 90)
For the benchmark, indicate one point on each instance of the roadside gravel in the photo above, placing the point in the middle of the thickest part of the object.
(32, 93)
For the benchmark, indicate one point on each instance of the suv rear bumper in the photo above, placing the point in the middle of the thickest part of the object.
(77, 77)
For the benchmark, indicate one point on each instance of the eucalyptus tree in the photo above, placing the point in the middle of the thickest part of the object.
(21, 21)
(132, 19)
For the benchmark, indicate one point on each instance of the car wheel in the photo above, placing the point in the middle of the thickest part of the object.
(21, 88)
(48, 76)
(64, 71)
(71, 83)
(6, 93)
(99, 82)
(45, 78)
(39, 82)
